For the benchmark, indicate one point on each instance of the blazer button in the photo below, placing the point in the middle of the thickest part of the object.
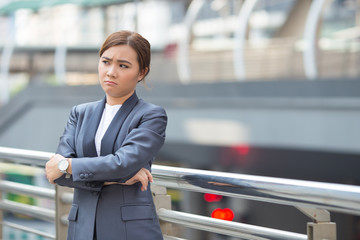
(82, 176)
(86, 175)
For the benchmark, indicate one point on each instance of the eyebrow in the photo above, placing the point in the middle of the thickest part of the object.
(118, 60)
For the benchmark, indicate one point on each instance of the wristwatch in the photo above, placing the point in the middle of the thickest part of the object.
(63, 165)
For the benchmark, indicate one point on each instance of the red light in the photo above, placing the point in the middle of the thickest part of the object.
(223, 214)
(242, 149)
(212, 197)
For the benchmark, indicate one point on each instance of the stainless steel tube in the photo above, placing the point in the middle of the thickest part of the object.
(26, 229)
(27, 157)
(7, 186)
(34, 211)
(335, 197)
(228, 228)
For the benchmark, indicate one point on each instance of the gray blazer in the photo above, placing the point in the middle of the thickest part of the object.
(133, 138)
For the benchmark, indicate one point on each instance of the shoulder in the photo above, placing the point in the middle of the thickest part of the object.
(151, 117)
(83, 107)
(146, 108)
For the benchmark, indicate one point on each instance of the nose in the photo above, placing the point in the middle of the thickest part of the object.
(111, 71)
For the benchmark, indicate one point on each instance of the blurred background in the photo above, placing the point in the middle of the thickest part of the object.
(262, 87)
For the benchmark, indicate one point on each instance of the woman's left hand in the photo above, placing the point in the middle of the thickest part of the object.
(51, 168)
(143, 176)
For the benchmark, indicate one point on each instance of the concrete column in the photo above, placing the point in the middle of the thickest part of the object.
(62, 209)
(1, 219)
(162, 200)
(320, 231)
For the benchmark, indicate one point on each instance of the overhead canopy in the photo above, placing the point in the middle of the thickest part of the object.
(37, 4)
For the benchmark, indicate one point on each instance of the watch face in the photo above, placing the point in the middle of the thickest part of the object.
(63, 164)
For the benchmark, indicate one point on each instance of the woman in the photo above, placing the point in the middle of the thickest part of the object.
(108, 147)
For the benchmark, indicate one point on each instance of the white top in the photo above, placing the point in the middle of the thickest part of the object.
(108, 115)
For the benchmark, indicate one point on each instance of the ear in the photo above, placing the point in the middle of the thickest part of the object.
(142, 74)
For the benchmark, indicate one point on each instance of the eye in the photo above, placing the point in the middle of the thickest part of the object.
(106, 62)
(123, 66)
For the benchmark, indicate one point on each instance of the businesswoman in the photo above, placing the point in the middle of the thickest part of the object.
(108, 147)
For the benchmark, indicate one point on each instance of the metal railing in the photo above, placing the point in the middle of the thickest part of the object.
(311, 198)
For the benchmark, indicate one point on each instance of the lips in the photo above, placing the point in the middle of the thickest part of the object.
(110, 83)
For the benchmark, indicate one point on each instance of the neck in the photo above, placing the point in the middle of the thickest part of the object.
(117, 100)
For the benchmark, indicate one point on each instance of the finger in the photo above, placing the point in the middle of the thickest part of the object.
(143, 174)
(144, 183)
(149, 175)
(146, 177)
(129, 182)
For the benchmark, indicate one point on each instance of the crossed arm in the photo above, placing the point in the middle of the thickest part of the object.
(126, 166)
(52, 173)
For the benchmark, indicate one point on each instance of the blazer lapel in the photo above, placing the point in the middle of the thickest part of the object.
(94, 116)
(108, 141)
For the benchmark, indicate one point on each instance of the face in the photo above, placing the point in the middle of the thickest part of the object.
(119, 73)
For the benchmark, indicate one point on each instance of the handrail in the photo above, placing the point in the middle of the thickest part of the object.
(34, 211)
(26, 189)
(26, 157)
(310, 197)
(26, 229)
(228, 228)
(337, 197)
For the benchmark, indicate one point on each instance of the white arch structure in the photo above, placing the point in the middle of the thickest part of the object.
(183, 64)
(5, 67)
(310, 37)
(240, 38)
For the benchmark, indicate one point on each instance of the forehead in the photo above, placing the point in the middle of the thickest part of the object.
(121, 52)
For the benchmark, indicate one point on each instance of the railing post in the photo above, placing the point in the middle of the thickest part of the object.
(321, 231)
(322, 228)
(62, 209)
(1, 219)
(162, 200)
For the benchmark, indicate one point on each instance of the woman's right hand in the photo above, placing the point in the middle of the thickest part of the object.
(143, 176)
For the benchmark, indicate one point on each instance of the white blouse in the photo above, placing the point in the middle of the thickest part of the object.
(107, 116)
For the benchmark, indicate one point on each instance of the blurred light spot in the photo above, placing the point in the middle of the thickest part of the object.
(241, 149)
(223, 214)
(212, 197)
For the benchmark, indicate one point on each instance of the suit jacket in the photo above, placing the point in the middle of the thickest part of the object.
(133, 138)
